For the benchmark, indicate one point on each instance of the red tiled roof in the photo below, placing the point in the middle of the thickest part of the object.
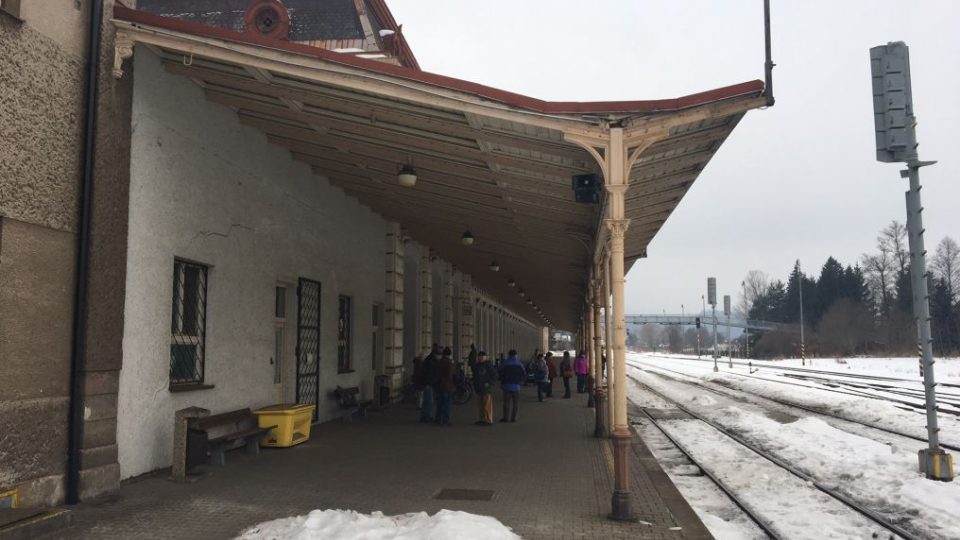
(414, 74)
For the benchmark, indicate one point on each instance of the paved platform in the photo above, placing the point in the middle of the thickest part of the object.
(549, 477)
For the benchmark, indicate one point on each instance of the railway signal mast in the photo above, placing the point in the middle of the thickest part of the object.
(803, 353)
(726, 311)
(712, 300)
(896, 136)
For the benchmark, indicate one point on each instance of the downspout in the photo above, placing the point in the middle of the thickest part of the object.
(768, 65)
(75, 421)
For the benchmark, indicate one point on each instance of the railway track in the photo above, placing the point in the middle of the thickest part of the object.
(811, 370)
(843, 387)
(942, 397)
(768, 525)
(784, 403)
(753, 516)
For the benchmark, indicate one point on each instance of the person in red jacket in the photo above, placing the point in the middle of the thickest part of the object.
(581, 367)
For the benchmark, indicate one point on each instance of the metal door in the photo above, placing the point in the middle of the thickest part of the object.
(308, 343)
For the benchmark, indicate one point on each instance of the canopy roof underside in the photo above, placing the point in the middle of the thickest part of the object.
(494, 163)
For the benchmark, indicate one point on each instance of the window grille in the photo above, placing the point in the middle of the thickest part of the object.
(280, 332)
(344, 333)
(188, 323)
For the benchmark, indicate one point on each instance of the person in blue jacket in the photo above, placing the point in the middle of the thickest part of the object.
(512, 376)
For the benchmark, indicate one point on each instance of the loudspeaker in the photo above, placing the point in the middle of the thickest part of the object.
(586, 188)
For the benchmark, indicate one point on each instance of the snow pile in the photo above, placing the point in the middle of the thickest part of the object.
(350, 525)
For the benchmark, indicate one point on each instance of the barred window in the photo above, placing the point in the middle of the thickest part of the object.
(188, 323)
(344, 333)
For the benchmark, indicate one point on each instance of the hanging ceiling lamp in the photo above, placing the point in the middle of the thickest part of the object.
(511, 283)
(467, 239)
(520, 292)
(494, 266)
(407, 177)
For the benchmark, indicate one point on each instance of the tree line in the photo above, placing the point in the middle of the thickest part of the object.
(865, 308)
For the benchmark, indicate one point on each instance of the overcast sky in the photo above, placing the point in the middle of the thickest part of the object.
(798, 180)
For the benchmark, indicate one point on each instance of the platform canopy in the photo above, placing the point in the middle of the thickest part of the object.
(492, 163)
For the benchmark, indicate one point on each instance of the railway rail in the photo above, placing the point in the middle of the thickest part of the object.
(918, 406)
(754, 517)
(789, 404)
(810, 370)
(763, 523)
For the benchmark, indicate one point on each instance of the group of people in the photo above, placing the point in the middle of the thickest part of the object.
(434, 376)
(545, 371)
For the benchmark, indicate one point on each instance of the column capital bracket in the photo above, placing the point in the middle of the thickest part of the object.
(617, 228)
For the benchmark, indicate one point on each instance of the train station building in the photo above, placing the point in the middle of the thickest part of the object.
(265, 201)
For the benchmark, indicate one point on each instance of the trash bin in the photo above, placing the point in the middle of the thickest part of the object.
(292, 421)
(383, 389)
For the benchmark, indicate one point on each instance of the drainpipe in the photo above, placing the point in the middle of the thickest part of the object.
(75, 421)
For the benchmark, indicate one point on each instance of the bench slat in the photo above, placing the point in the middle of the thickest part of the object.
(230, 417)
(239, 435)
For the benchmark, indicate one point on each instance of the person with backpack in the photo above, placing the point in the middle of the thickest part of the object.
(540, 375)
(566, 370)
(484, 377)
(581, 367)
(512, 376)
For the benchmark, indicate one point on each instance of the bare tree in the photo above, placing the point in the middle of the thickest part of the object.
(892, 240)
(651, 336)
(946, 264)
(879, 271)
(754, 285)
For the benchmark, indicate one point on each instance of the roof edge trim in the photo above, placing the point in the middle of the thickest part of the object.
(504, 97)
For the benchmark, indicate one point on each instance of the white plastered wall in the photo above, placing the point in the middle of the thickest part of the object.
(205, 188)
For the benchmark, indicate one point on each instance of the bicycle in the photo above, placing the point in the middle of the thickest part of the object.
(463, 392)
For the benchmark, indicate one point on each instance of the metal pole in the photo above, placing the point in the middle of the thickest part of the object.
(714, 308)
(933, 458)
(729, 349)
(803, 359)
(746, 322)
(768, 64)
(683, 327)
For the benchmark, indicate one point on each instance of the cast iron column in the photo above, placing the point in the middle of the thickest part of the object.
(616, 223)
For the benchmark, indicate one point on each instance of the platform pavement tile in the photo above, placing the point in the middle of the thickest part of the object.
(550, 476)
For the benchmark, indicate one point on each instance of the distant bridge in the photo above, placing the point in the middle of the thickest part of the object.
(691, 320)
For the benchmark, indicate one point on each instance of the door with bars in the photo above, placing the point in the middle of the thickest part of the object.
(308, 343)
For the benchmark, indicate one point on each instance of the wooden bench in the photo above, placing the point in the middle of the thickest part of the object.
(347, 400)
(232, 426)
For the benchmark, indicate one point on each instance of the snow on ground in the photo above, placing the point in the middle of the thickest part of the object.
(871, 469)
(767, 383)
(794, 508)
(947, 369)
(350, 525)
(717, 512)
